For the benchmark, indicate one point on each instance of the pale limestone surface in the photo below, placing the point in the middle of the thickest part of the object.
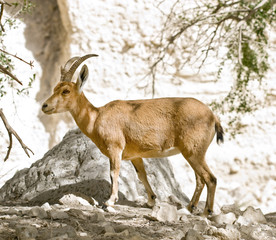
(120, 32)
(125, 223)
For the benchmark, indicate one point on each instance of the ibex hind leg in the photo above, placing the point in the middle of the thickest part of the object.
(142, 175)
(198, 190)
(203, 176)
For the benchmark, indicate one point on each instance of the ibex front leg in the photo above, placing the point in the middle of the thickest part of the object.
(115, 162)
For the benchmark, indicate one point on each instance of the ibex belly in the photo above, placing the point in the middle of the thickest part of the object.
(154, 153)
(161, 153)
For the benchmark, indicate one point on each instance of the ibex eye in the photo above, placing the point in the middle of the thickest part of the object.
(66, 91)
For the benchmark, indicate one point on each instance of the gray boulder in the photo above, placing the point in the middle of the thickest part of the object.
(76, 165)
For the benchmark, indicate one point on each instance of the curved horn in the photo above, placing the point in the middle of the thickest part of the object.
(68, 64)
(69, 74)
(66, 68)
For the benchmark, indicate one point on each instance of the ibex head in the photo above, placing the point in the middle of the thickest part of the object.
(66, 92)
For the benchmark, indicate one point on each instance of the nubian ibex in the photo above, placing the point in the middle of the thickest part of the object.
(136, 129)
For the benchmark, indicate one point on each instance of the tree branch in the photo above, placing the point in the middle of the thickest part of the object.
(5, 71)
(2, 4)
(11, 132)
(1, 14)
(223, 19)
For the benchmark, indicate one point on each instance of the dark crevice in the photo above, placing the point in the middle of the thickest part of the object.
(47, 34)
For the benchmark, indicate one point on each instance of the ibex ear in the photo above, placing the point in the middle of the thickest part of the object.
(82, 77)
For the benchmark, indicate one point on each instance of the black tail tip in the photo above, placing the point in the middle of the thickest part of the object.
(220, 132)
(220, 138)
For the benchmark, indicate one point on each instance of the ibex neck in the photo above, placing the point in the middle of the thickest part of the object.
(84, 114)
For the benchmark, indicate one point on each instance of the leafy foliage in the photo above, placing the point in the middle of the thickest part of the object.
(6, 59)
(235, 32)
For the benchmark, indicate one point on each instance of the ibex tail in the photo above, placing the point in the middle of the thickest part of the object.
(219, 131)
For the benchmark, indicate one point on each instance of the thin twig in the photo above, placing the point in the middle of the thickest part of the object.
(31, 63)
(11, 132)
(209, 48)
(240, 46)
(4, 2)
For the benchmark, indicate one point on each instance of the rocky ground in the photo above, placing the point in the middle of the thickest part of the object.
(60, 197)
(75, 218)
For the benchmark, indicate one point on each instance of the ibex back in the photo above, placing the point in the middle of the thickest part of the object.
(136, 129)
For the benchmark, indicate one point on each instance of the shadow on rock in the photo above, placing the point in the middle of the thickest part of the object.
(97, 189)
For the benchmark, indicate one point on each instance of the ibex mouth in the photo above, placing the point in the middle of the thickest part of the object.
(48, 111)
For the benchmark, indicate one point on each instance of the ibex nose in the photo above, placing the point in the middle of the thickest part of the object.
(45, 105)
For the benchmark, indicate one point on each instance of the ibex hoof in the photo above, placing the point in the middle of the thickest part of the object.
(151, 201)
(206, 213)
(194, 210)
(191, 208)
(110, 203)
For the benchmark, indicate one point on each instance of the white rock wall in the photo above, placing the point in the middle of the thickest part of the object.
(120, 32)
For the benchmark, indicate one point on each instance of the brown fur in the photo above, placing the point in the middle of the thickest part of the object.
(136, 129)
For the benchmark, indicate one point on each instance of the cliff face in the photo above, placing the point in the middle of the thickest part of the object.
(121, 33)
